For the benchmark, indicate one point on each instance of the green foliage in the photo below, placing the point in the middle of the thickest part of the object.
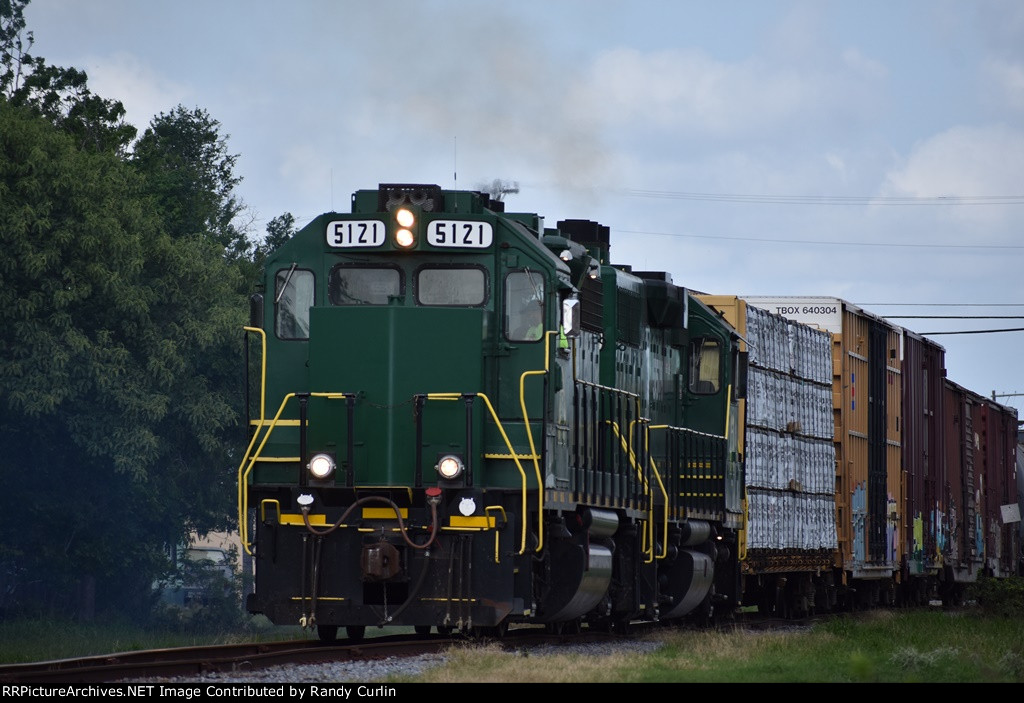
(120, 318)
(201, 596)
(60, 95)
(279, 230)
(191, 176)
(1000, 597)
(42, 639)
(117, 370)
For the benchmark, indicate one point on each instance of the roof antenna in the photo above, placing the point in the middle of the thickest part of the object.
(455, 162)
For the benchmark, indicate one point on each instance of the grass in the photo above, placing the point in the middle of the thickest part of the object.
(883, 647)
(32, 640)
(932, 646)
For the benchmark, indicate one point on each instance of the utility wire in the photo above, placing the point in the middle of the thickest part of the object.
(824, 242)
(1011, 329)
(945, 305)
(828, 199)
(953, 317)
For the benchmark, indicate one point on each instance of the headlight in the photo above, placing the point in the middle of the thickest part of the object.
(450, 467)
(405, 218)
(321, 466)
(405, 238)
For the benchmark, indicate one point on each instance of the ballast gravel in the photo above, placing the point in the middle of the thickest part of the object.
(367, 671)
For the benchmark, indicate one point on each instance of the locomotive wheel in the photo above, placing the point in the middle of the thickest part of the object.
(355, 632)
(567, 627)
(327, 633)
(496, 631)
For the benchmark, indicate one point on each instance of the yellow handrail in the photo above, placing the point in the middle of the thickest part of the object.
(508, 443)
(251, 458)
(529, 435)
(649, 533)
(242, 493)
(504, 518)
(263, 367)
(631, 455)
(661, 486)
(243, 471)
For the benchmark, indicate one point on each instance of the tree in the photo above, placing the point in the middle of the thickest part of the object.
(60, 95)
(119, 333)
(117, 370)
(191, 176)
(279, 230)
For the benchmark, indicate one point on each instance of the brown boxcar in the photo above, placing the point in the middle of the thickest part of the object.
(1020, 497)
(926, 501)
(996, 426)
(980, 463)
(867, 400)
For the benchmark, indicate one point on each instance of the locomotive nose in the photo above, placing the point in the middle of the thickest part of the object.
(388, 357)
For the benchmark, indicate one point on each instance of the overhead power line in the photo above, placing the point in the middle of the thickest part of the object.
(953, 317)
(824, 242)
(762, 198)
(945, 305)
(1011, 329)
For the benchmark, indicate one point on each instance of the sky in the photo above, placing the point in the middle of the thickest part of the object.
(867, 150)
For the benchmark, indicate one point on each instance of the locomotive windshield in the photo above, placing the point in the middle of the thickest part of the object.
(704, 366)
(292, 300)
(524, 306)
(451, 286)
(364, 285)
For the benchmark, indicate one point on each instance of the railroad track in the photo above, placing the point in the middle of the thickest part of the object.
(198, 661)
(228, 658)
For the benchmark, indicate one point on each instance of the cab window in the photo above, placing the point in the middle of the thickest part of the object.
(451, 286)
(364, 285)
(705, 355)
(524, 306)
(293, 297)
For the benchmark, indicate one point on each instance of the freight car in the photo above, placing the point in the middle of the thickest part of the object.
(979, 523)
(462, 419)
(788, 547)
(924, 473)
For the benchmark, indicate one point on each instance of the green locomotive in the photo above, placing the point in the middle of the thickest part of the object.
(463, 419)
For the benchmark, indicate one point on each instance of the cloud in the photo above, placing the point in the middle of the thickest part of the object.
(1005, 80)
(143, 91)
(863, 65)
(501, 93)
(687, 91)
(965, 161)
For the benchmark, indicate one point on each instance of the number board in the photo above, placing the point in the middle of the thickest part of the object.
(355, 233)
(460, 233)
